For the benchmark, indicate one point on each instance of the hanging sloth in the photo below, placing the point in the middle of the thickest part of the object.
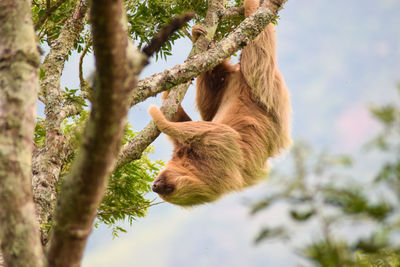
(246, 112)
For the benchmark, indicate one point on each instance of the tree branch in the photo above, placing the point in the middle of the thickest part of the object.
(165, 32)
(86, 90)
(19, 83)
(231, 12)
(83, 188)
(135, 147)
(167, 79)
(51, 160)
(70, 110)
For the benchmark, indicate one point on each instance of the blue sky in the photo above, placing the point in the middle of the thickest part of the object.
(336, 57)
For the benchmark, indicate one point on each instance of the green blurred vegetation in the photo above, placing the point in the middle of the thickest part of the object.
(347, 221)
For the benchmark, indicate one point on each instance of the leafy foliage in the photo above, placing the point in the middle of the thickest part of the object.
(320, 191)
(145, 19)
(127, 187)
(52, 26)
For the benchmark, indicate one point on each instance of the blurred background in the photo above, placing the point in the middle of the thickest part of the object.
(329, 200)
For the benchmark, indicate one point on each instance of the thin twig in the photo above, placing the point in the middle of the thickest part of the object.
(165, 32)
(84, 52)
(86, 89)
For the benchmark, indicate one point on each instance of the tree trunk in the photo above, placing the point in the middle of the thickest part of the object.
(19, 82)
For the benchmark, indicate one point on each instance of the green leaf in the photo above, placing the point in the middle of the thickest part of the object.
(385, 114)
(40, 132)
(268, 233)
(329, 253)
(260, 205)
(302, 215)
(350, 201)
(42, 73)
(379, 211)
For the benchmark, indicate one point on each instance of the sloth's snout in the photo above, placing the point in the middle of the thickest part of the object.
(160, 186)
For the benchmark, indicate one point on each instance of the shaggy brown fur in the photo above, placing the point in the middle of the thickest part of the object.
(245, 108)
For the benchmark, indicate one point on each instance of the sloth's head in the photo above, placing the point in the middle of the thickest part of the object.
(177, 185)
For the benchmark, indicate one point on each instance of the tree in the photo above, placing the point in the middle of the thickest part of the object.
(320, 192)
(54, 171)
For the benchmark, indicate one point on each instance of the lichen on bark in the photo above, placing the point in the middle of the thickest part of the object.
(19, 82)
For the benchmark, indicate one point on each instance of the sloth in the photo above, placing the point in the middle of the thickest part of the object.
(245, 110)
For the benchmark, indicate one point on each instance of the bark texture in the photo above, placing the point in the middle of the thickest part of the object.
(19, 82)
(83, 188)
(231, 12)
(49, 158)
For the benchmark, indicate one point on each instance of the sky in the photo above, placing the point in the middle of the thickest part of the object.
(337, 57)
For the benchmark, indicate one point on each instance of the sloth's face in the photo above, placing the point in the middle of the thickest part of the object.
(177, 185)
